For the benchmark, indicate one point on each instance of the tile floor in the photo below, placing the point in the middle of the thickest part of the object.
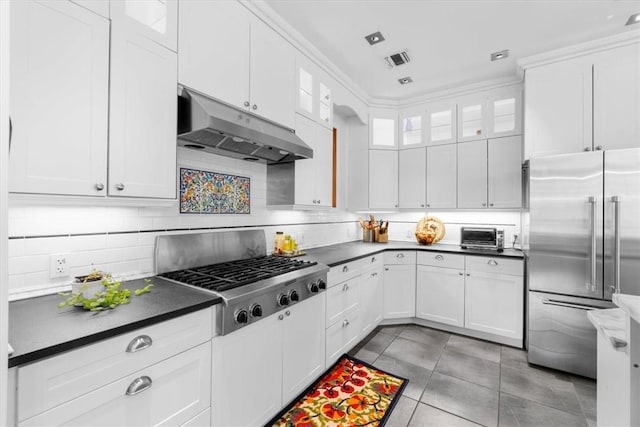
(460, 381)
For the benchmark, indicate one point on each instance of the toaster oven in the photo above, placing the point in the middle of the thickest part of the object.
(482, 238)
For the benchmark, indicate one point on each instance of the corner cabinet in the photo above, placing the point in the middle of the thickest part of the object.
(143, 109)
(383, 179)
(59, 108)
(253, 68)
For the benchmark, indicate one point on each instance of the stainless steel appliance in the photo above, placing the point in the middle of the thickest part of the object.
(584, 245)
(482, 238)
(235, 266)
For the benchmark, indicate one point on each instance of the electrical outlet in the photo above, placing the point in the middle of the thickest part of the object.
(58, 266)
(409, 234)
(300, 239)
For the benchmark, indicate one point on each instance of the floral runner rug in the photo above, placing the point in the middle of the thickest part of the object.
(350, 393)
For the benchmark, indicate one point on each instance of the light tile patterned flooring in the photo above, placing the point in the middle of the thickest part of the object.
(460, 381)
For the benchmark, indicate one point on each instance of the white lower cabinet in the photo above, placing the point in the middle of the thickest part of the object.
(126, 380)
(371, 291)
(281, 354)
(168, 393)
(399, 289)
(343, 335)
(343, 317)
(494, 300)
(440, 294)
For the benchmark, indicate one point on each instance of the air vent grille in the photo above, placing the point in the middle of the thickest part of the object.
(397, 59)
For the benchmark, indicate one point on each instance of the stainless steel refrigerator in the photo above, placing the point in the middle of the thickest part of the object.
(584, 220)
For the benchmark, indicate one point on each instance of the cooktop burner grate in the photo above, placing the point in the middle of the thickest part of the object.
(228, 275)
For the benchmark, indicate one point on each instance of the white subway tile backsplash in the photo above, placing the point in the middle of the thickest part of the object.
(28, 264)
(87, 243)
(16, 247)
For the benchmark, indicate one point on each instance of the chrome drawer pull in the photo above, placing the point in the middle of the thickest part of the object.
(139, 343)
(345, 269)
(401, 255)
(492, 262)
(139, 385)
(374, 274)
(373, 259)
(345, 323)
(439, 257)
(569, 304)
(345, 287)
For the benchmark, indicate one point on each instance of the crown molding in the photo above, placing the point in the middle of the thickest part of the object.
(581, 49)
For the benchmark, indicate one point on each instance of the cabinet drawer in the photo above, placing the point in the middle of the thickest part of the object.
(341, 299)
(437, 259)
(342, 336)
(50, 382)
(400, 257)
(169, 393)
(496, 265)
(342, 272)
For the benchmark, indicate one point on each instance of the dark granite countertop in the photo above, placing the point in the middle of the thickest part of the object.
(344, 252)
(38, 328)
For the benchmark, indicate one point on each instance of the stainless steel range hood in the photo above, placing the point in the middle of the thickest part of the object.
(212, 126)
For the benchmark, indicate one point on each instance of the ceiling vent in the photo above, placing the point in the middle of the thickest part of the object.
(397, 59)
(405, 80)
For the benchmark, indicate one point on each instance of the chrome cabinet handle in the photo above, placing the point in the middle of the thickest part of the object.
(439, 257)
(490, 204)
(99, 186)
(280, 317)
(254, 106)
(139, 343)
(587, 149)
(468, 274)
(374, 274)
(345, 269)
(373, 259)
(593, 201)
(139, 385)
(386, 269)
(345, 287)
(246, 103)
(598, 147)
(492, 262)
(10, 133)
(400, 255)
(460, 273)
(422, 205)
(120, 186)
(345, 323)
(484, 204)
(568, 304)
(287, 313)
(616, 244)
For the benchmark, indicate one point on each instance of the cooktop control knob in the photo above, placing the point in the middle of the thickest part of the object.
(293, 295)
(313, 287)
(322, 284)
(256, 310)
(242, 317)
(283, 300)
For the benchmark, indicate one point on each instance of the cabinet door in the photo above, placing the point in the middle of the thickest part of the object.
(399, 291)
(472, 119)
(383, 179)
(307, 87)
(494, 304)
(472, 175)
(441, 123)
(242, 374)
(442, 177)
(505, 172)
(303, 338)
(142, 133)
(505, 115)
(616, 98)
(440, 295)
(411, 134)
(156, 20)
(323, 158)
(412, 178)
(218, 69)
(371, 299)
(59, 103)
(305, 172)
(325, 104)
(168, 393)
(558, 108)
(383, 129)
(273, 68)
(342, 299)
(342, 336)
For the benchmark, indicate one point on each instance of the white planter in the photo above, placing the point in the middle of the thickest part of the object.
(88, 289)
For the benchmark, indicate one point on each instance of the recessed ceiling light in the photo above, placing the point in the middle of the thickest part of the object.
(500, 55)
(633, 19)
(374, 38)
(405, 80)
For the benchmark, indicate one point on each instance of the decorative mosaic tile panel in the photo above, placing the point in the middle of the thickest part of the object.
(204, 192)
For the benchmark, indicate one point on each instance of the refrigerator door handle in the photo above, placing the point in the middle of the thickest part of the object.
(616, 245)
(568, 304)
(593, 202)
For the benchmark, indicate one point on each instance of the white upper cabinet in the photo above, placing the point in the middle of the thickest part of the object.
(313, 95)
(504, 109)
(157, 19)
(101, 7)
(472, 175)
(558, 112)
(616, 98)
(472, 119)
(239, 60)
(313, 177)
(442, 179)
(411, 129)
(504, 172)
(383, 179)
(383, 129)
(142, 144)
(441, 123)
(59, 103)
(412, 178)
